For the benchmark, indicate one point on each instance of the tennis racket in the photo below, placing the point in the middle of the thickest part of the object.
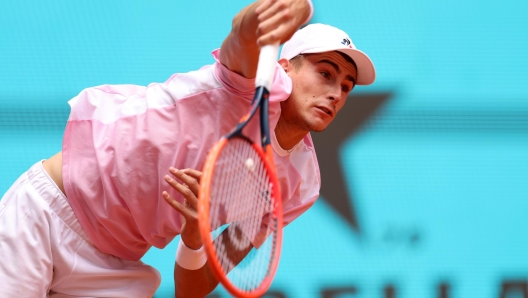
(239, 204)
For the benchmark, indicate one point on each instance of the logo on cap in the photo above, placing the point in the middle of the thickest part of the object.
(346, 41)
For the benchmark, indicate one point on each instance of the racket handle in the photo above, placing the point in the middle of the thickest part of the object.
(266, 66)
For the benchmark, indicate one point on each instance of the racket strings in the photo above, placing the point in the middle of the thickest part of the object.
(241, 196)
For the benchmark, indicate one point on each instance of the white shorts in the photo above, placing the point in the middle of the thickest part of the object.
(44, 252)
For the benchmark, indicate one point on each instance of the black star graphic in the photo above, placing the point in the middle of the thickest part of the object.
(357, 110)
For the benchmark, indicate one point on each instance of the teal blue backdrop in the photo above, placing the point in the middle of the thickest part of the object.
(439, 175)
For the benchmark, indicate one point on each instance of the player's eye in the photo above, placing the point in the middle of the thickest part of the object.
(325, 74)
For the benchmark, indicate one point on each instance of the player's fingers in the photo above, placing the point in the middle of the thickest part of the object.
(272, 8)
(189, 190)
(276, 18)
(189, 233)
(193, 173)
(186, 212)
(188, 177)
(263, 6)
(278, 28)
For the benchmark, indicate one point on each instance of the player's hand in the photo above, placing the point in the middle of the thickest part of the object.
(279, 19)
(188, 187)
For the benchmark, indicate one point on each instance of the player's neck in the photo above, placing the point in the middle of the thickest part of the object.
(288, 135)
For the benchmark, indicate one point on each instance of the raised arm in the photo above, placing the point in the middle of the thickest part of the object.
(260, 23)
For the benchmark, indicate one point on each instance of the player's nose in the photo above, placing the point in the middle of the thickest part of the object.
(335, 94)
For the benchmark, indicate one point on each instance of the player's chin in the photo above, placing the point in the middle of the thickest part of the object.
(318, 126)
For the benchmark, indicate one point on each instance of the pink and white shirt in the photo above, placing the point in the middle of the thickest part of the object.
(120, 141)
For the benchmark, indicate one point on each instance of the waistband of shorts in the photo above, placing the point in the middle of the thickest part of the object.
(51, 193)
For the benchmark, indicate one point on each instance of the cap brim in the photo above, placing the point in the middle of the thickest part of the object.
(366, 70)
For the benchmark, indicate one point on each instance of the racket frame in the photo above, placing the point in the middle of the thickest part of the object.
(263, 81)
(205, 225)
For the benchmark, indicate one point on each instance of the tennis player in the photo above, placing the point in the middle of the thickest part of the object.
(78, 223)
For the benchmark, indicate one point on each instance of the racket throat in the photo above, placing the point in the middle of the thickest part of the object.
(260, 99)
(263, 94)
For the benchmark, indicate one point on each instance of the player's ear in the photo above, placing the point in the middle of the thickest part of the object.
(286, 65)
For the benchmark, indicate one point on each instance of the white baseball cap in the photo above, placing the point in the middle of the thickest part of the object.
(318, 38)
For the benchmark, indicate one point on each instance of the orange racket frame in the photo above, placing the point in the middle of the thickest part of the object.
(205, 225)
(263, 81)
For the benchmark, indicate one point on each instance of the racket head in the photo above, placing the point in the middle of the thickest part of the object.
(239, 191)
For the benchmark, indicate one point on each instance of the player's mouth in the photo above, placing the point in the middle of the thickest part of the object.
(326, 110)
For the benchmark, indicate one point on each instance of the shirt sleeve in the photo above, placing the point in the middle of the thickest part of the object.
(240, 85)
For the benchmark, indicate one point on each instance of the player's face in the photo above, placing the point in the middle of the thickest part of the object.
(321, 84)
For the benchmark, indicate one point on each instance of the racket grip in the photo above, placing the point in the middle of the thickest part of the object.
(266, 66)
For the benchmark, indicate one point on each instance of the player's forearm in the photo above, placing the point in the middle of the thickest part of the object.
(239, 50)
(260, 23)
(193, 283)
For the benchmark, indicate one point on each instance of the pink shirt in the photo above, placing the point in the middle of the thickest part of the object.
(120, 141)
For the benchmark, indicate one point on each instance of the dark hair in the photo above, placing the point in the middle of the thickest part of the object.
(348, 59)
(297, 61)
